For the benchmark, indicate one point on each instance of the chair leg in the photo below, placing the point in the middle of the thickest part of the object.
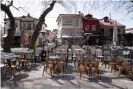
(51, 71)
(80, 75)
(43, 71)
(19, 70)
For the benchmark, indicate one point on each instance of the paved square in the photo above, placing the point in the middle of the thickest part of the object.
(33, 79)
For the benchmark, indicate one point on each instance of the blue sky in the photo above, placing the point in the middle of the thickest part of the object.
(35, 9)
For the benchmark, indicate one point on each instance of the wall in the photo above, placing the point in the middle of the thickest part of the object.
(90, 23)
(69, 29)
(17, 24)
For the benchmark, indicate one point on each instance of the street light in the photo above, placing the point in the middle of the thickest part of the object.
(43, 34)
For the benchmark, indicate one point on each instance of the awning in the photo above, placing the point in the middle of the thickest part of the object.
(95, 35)
(88, 33)
(71, 36)
(4, 36)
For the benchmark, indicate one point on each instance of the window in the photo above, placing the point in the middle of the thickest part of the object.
(29, 26)
(106, 32)
(67, 21)
(24, 26)
(77, 22)
(16, 24)
(119, 31)
(86, 27)
(59, 22)
(93, 27)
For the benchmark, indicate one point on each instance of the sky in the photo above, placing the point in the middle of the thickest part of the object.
(35, 9)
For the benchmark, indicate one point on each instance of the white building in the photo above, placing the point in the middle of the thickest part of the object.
(70, 28)
(129, 30)
(24, 24)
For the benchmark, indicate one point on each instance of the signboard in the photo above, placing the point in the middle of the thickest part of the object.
(26, 38)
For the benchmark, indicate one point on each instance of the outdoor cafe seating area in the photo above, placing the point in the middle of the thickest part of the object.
(86, 60)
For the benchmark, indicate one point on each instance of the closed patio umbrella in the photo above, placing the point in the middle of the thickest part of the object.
(115, 33)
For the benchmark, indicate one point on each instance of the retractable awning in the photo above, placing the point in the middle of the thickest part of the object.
(71, 36)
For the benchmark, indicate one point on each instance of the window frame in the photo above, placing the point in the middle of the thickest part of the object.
(88, 27)
(67, 22)
(93, 27)
(29, 26)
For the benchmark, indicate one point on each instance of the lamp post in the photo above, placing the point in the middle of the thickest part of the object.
(22, 38)
(43, 34)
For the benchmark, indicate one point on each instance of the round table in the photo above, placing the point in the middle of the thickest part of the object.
(53, 57)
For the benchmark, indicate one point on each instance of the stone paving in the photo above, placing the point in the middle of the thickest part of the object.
(33, 79)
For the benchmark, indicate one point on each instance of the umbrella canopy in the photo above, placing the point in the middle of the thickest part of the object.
(115, 33)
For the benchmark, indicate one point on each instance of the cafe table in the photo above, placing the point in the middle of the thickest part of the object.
(123, 58)
(54, 57)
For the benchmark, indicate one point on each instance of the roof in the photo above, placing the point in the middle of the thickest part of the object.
(91, 18)
(71, 15)
(21, 17)
(110, 23)
(129, 29)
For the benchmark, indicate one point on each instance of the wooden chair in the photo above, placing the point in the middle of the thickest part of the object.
(122, 65)
(23, 62)
(48, 64)
(88, 68)
(59, 67)
(96, 68)
(113, 62)
(11, 67)
(84, 67)
(30, 59)
(80, 67)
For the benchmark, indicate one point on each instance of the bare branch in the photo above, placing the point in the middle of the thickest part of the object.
(1, 0)
(11, 4)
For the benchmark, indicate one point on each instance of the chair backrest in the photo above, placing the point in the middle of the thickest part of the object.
(89, 57)
(86, 62)
(109, 58)
(125, 52)
(38, 51)
(105, 47)
(99, 53)
(93, 50)
(125, 62)
(106, 52)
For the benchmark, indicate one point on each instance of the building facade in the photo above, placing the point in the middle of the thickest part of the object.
(106, 30)
(90, 29)
(129, 30)
(69, 28)
(25, 26)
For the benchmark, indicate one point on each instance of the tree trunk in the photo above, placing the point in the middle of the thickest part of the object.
(8, 40)
(39, 25)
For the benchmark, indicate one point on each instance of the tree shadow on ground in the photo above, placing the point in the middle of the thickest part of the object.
(34, 67)
(16, 82)
(66, 78)
(70, 69)
(105, 81)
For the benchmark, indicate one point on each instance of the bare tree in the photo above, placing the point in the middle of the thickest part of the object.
(8, 40)
(39, 24)
(38, 27)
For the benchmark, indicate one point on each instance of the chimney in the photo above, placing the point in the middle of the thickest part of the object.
(28, 15)
(106, 19)
(79, 12)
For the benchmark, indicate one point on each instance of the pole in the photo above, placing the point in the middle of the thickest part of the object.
(22, 38)
(5, 22)
(110, 15)
(43, 42)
